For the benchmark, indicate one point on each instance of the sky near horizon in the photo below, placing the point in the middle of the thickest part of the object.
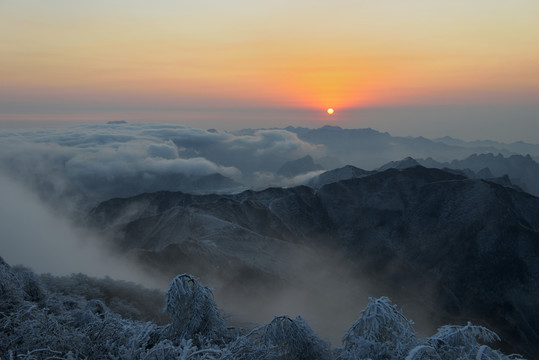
(409, 67)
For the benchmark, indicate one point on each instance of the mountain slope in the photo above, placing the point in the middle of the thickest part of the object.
(428, 234)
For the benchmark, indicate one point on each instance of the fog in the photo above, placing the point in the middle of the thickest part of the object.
(317, 286)
(42, 239)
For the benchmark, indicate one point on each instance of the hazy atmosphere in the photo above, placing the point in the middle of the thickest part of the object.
(467, 70)
(247, 180)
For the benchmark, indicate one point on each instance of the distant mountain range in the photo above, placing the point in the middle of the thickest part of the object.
(519, 147)
(468, 248)
(517, 171)
(369, 149)
(522, 170)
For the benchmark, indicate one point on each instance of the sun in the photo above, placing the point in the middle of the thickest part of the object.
(330, 111)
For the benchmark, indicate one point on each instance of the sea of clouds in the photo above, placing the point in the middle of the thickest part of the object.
(90, 163)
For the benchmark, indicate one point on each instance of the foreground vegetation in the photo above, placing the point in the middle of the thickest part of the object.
(77, 317)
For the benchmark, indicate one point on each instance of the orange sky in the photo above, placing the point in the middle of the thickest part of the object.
(101, 57)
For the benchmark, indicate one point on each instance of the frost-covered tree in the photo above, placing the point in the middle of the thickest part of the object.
(31, 285)
(11, 293)
(382, 332)
(466, 342)
(287, 338)
(193, 310)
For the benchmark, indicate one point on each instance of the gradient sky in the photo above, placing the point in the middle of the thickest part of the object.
(414, 67)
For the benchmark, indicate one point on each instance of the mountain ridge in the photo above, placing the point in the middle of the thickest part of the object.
(470, 242)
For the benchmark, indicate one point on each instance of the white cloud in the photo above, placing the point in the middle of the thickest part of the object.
(273, 142)
(192, 166)
(165, 151)
(100, 161)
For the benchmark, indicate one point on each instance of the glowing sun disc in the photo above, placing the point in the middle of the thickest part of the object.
(330, 111)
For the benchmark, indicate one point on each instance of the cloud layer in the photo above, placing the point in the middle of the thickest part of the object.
(95, 162)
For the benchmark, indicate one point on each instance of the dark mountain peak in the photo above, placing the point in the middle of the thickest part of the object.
(343, 173)
(348, 167)
(401, 164)
(485, 173)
